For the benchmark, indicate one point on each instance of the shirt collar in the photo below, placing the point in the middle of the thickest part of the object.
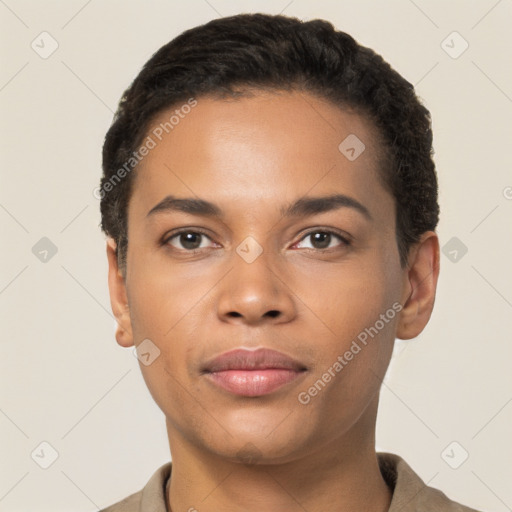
(409, 491)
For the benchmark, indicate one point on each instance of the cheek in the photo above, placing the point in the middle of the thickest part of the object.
(165, 308)
(160, 298)
(355, 316)
(171, 391)
(341, 301)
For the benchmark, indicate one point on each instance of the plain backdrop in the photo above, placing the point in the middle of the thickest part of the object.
(66, 383)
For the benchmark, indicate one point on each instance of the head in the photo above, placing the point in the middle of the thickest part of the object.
(253, 117)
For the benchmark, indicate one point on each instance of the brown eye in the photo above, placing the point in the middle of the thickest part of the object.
(188, 240)
(320, 240)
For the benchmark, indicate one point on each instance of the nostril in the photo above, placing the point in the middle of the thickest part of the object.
(273, 313)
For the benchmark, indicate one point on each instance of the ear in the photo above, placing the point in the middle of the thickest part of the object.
(118, 297)
(420, 283)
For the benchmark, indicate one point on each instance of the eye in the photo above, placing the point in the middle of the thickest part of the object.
(323, 239)
(187, 240)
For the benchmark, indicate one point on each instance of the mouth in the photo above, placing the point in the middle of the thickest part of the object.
(253, 373)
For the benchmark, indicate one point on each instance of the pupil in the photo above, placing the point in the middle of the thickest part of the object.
(190, 240)
(322, 240)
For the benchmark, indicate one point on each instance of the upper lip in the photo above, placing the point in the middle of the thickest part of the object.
(259, 359)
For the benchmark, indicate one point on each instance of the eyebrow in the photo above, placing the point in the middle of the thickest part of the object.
(303, 207)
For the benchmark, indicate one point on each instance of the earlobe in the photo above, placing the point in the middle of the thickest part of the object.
(420, 283)
(118, 297)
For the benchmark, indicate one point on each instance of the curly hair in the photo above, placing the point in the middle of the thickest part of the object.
(258, 51)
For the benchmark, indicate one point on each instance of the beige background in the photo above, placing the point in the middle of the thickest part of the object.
(64, 379)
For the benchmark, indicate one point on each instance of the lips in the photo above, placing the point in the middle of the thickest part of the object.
(252, 372)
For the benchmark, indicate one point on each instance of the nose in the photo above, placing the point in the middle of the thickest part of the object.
(255, 293)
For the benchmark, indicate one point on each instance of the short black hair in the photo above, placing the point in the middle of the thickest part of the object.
(257, 51)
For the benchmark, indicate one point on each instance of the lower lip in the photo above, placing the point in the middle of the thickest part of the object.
(253, 382)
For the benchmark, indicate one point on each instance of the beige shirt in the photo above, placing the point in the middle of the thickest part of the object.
(410, 494)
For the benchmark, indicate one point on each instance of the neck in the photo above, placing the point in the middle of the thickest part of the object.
(343, 475)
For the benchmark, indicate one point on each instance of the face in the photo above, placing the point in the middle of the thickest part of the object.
(250, 228)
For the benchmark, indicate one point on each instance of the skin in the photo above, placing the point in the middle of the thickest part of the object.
(251, 156)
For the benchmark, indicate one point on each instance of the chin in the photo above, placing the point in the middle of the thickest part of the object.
(258, 450)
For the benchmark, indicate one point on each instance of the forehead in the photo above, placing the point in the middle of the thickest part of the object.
(268, 147)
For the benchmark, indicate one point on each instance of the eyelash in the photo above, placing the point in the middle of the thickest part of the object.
(198, 231)
(343, 238)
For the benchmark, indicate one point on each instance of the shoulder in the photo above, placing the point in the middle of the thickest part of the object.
(150, 499)
(410, 493)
